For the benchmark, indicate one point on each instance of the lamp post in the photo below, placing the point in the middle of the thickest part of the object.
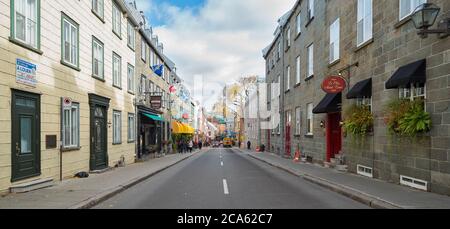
(425, 16)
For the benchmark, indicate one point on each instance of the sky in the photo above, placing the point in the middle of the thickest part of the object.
(218, 41)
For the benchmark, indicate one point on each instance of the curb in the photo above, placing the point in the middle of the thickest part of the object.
(105, 195)
(364, 198)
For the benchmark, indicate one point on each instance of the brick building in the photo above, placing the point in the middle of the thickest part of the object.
(374, 46)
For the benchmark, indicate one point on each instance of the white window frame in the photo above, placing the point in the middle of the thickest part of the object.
(74, 44)
(311, 9)
(411, 6)
(130, 78)
(116, 20)
(299, 23)
(310, 119)
(100, 8)
(310, 60)
(131, 35)
(288, 78)
(412, 93)
(117, 66)
(98, 50)
(117, 127)
(74, 129)
(131, 127)
(288, 38)
(298, 73)
(279, 51)
(364, 25)
(364, 101)
(30, 38)
(143, 50)
(298, 120)
(335, 41)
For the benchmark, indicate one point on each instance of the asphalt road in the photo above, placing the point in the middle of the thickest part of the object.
(227, 179)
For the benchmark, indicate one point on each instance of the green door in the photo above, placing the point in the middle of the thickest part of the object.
(99, 138)
(25, 135)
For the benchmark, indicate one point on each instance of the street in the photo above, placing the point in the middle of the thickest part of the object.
(227, 179)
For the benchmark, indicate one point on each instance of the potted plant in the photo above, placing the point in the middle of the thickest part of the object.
(407, 118)
(358, 120)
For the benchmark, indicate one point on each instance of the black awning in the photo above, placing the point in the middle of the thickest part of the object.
(362, 89)
(408, 74)
(331, 103)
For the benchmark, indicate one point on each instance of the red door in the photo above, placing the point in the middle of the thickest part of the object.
(334, 135)
(288, 142)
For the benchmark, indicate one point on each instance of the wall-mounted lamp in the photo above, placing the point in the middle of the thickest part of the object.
(425, 16)
(322, 124)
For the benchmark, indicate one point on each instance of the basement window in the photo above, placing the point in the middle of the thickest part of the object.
(414, 183)
(365, 171)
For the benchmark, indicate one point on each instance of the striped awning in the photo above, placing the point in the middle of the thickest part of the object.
(181, 128)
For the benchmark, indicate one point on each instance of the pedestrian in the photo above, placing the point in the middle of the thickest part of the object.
(180, 147)
(184, 146)
(191, 146)
(200, 145)
(249, 145)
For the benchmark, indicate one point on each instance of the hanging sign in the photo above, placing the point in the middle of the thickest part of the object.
(67, 103)
(334, 85)
(156, 102)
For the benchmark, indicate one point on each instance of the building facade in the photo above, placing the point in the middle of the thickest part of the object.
(374, 46)
(65, 104)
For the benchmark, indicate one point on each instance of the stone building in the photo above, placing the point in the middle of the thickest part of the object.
(65, 67)
(374, 46)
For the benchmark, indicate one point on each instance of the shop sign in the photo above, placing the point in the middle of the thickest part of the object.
(156, 102)
(334, 85)
(26, 73)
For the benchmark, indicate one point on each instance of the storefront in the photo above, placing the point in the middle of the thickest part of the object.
(150, 132)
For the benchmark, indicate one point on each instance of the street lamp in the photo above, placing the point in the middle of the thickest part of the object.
(425, 16)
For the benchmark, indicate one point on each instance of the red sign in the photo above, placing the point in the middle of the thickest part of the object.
(172, 89)
(334, 84)
(185, 116)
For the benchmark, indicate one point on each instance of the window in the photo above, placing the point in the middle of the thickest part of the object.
(117, 127)
(97, 8)
(298, 71)
(25, 27)
(143, 50)
(311, 60)
(310, 9)
(310, 119)
(117, 20)
(414, 92)
(71, 126)
(364, 24)
(297, 121)
(288, 118)
(365, 101)
(279, 51)
(142, 89)
(70, 46)
(299, 23)
(279, 85)
(97, 58)
(117, 70)
(130, 78)
(131, 35)
(407, 7)
(334, 41)
(131, 128)
(288, 38)
(288, 78)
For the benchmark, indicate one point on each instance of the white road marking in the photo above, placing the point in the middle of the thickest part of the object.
(225, 187)
(221, 163)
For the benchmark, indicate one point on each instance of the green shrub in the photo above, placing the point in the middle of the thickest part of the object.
(358, 120)
(407, 118)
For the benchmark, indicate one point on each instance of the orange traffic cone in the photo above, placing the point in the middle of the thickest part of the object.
(297, 156)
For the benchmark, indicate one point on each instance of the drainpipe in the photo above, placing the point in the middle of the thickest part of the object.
(282, 94)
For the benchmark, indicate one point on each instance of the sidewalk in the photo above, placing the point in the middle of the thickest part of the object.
(375, 193)
(85, 193)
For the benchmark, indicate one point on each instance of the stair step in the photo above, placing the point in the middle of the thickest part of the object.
(31, 186)
(101, 170)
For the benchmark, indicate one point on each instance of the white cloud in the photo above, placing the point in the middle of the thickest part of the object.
(221, 41)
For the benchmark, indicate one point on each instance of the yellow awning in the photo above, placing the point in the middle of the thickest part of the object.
(181, 128)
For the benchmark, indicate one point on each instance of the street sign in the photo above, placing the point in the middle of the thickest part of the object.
(334, 85)
(156, 102)
(26, 73)
(67, 102)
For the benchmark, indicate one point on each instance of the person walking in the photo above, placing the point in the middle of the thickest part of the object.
(200, 144)
(249, 145)
(190, 146)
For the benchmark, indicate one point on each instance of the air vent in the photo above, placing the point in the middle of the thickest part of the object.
(414, 183)
(365, 171)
